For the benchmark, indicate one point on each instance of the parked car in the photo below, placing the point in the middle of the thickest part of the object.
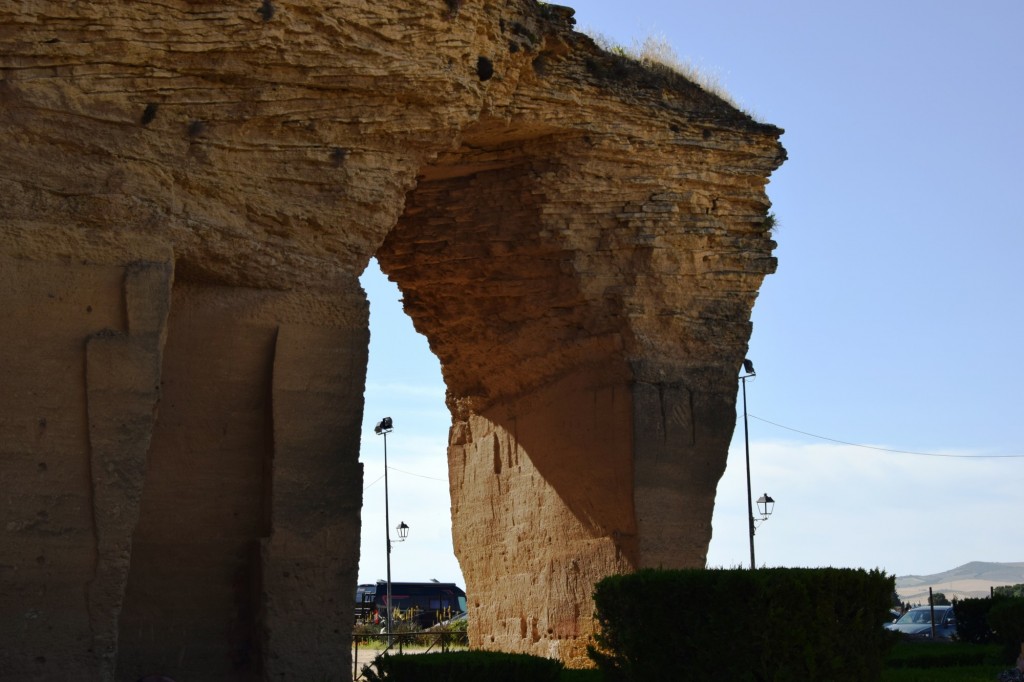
(917, 622)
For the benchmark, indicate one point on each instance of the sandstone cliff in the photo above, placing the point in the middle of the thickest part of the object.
(190, 190)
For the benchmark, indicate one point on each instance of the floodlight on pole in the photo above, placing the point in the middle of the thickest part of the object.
(765, 504)
(748, 367)
(383, 428)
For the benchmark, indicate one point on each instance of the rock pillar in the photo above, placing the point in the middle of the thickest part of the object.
(308, 562)
(248, 540)
(541, 497)
(681, 432)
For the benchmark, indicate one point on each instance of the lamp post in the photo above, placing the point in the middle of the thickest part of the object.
(383, 428)
(765, 504)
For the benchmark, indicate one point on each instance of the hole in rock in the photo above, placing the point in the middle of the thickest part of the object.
(403, 381)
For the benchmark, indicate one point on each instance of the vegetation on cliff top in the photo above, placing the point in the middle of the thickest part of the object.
(655, 52)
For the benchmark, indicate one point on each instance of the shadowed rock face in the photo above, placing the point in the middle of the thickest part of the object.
(191, 190)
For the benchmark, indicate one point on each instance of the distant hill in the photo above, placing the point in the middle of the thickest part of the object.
(974, 579)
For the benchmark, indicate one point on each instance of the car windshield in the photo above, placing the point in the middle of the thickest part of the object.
(922, 616)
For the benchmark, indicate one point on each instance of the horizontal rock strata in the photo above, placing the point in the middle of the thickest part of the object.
(190, 192)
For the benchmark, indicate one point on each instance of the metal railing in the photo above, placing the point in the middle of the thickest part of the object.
(420, 642)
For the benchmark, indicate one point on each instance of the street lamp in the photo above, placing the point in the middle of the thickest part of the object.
(383, 428)
(765, 504)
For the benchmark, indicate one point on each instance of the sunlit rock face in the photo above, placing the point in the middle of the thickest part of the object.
(190, 192)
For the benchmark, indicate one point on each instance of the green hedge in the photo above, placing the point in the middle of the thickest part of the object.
(1006, 618)
(464, 666)
(771, 624)
(972, 620)
(999, 619)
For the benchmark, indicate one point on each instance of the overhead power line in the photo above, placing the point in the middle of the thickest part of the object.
(409, 473)
(432, 478)
(872, 447)
(788, 428)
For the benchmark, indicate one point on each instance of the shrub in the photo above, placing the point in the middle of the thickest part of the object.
(454, 633)
(366, 630)
(1009, 590)
(465, 666)
(1006, 618)
(972, 620)
(656, 53)
(771, 624)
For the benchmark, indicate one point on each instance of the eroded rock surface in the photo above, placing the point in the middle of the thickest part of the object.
(190, 191)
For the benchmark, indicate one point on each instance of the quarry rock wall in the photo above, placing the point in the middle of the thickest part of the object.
(190, 191)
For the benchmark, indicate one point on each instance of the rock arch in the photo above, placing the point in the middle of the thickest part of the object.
(589, 320)
(191, 191)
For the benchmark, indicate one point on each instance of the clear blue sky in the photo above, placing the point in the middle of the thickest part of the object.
(894, 319)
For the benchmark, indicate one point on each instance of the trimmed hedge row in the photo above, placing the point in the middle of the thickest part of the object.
(991, 619)
(776, 624)
(972, 620)
(465, 666)
(1006, 617)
